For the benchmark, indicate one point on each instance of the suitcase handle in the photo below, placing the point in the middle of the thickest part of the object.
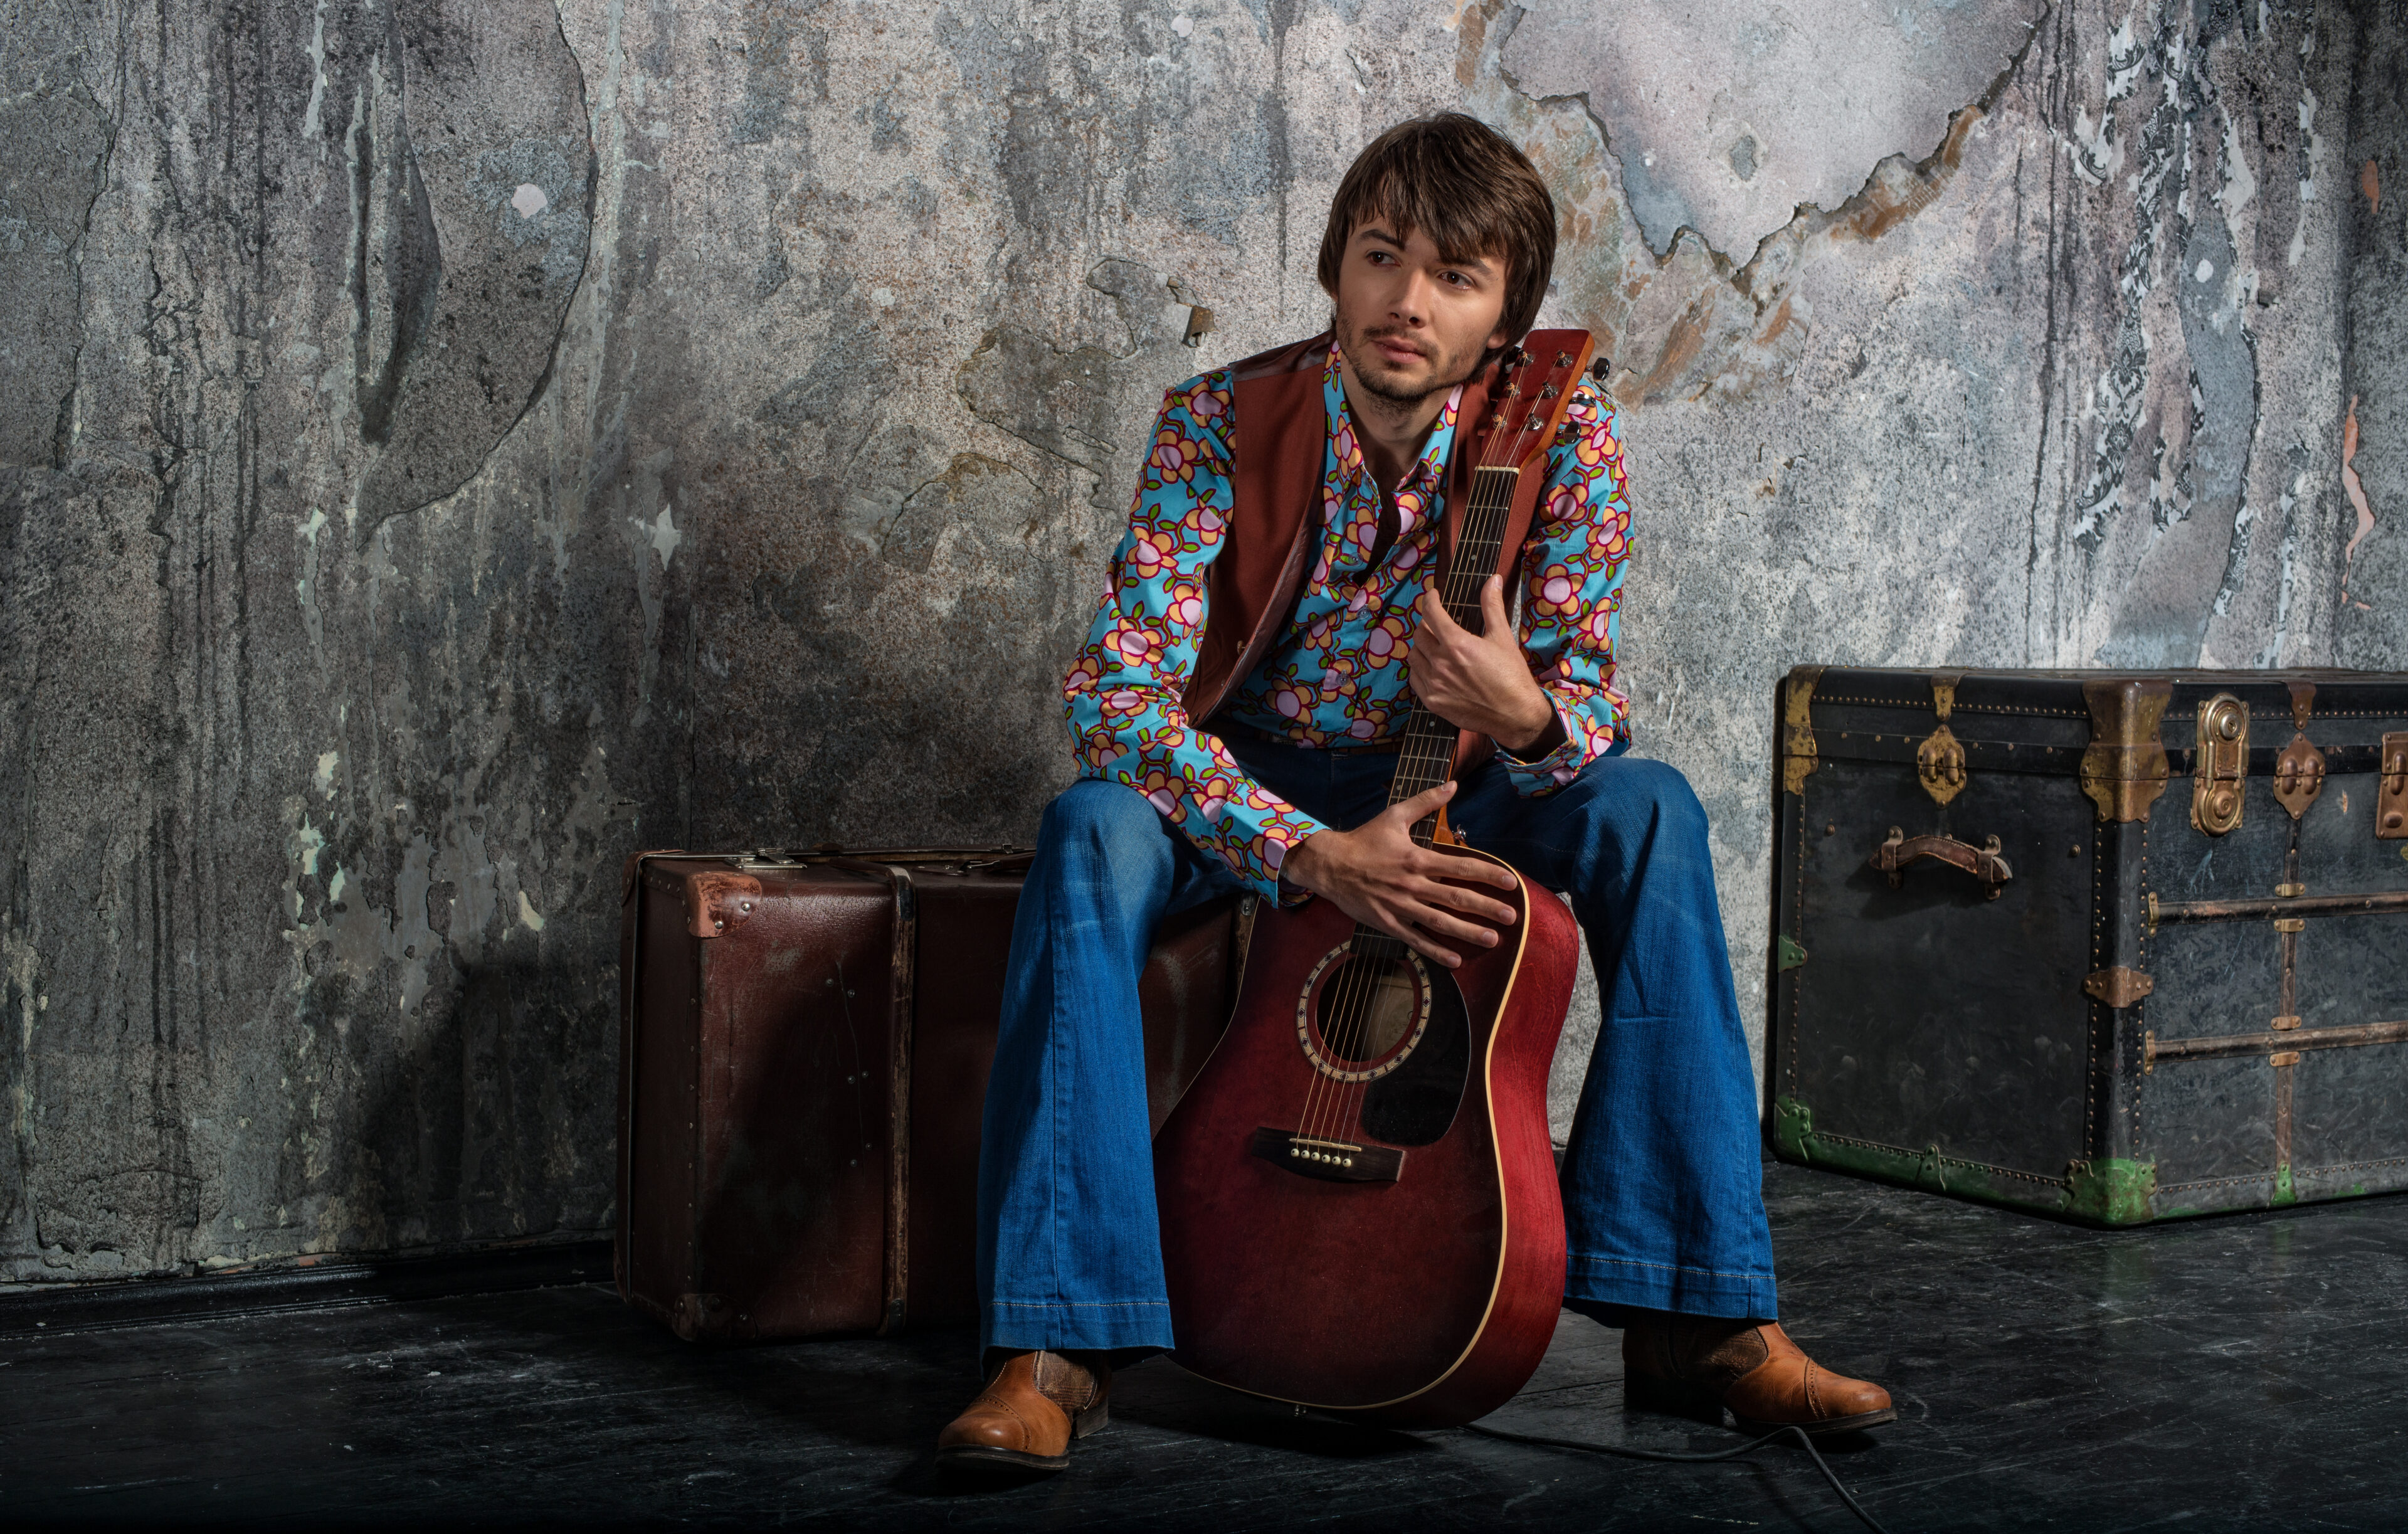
(1983, 862)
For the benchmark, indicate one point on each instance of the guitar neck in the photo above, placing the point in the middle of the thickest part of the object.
(1428, 756)
(1429, 752)
(1535, 388)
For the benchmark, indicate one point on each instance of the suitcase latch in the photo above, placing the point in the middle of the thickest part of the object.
(2220, 765)
(2391, 798)
(2299, 771)
(1939, 762)
(2299, 775)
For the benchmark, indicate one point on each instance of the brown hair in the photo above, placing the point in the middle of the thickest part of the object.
(1468, 188)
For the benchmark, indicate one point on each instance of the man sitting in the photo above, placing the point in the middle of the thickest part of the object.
(1437, 254)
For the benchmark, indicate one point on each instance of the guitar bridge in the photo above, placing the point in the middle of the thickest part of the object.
(1330, 1160)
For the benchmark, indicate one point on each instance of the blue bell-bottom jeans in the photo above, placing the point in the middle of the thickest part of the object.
(1662, 1182)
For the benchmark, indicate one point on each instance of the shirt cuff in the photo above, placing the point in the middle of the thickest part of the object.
(1545, 774)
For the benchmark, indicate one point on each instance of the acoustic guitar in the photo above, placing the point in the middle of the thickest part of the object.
(1358, 1198)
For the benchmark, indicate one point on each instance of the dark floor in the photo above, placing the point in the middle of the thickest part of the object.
(2240, 1373)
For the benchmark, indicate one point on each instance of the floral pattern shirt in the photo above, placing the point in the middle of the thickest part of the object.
(1338, 676)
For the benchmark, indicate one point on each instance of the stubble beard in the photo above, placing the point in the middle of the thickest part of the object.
(1355, 343)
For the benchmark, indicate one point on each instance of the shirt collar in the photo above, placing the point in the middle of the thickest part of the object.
(1429, 472)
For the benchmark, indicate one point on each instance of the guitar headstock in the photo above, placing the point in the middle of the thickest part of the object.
(1533, 388)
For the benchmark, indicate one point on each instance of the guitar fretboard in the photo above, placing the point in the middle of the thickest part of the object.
(1428, 754)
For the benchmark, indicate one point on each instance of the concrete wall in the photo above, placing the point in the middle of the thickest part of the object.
(448, 443)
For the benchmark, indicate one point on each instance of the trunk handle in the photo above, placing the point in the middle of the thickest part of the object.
(1983, 862)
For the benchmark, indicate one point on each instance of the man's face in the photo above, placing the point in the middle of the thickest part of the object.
(1410, 321)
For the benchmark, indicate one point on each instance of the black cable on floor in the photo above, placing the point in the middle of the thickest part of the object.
(1732, 1453)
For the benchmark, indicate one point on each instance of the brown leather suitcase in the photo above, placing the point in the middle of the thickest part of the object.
(804, 1047)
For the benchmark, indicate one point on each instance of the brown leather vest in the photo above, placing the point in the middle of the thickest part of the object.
(1282, 433)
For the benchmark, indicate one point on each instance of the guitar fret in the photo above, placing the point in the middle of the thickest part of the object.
(1426, 757)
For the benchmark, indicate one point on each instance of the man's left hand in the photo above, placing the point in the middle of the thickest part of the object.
(1479, 681)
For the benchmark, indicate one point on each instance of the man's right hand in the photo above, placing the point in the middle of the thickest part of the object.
(1378, 876)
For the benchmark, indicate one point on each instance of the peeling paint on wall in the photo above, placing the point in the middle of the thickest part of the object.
(2356, 489)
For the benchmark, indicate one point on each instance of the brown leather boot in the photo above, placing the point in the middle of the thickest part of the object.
(1034, 1404)
(1697, 1363)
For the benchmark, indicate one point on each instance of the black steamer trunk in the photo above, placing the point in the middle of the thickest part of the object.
(2118, 947)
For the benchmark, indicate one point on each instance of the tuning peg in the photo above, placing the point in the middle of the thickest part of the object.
(1514, 356)
(1601, 368)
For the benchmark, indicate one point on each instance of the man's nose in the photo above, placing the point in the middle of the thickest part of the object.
(1411, 304)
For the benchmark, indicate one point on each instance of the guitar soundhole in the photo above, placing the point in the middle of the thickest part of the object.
(1388, 1020)
(1361, 1014)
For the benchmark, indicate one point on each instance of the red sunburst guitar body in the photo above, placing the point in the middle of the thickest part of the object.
(1358, 1196)
(1425, 1297)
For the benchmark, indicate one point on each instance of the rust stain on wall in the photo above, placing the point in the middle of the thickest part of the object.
(2356, 490)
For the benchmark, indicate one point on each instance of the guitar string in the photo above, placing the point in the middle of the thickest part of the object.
(1430, 746)
(1427, 752)
(1430, 749)
(1352, 995)
(1481, 544)
(1339, 992)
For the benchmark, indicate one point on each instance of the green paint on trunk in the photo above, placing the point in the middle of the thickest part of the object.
(1791, 955)
(1793, 1125)
(1927, 1170)
(2284, 1192)
(2111, 1191)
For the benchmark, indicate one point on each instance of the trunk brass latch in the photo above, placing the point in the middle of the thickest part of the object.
(2391, 798)
(2299, 771)
(2220, 765)
(1939, 762)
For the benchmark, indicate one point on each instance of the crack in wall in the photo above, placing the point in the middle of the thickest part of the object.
(63, 435)
(1731, 323)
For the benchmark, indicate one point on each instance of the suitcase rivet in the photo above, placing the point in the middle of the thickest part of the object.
(1831, 828)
